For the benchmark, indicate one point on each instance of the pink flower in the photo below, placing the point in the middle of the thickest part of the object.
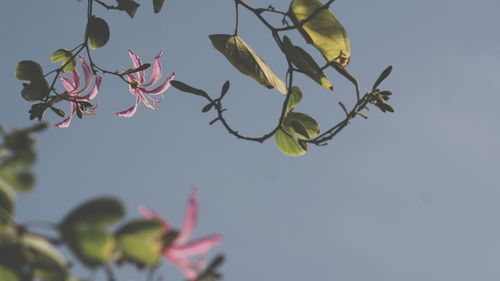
(137, 85)
(72, 93)
(188, 257)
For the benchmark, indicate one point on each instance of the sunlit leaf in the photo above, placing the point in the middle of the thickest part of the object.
(157, 5)
(324, 31)
(28, 70)
(97, 32)
(140, 241)
(304, 125)
(289, 143)
(305, 63)
(129, 6)
(247, 61)
(66, 57)
(85, 230)
(295, 98)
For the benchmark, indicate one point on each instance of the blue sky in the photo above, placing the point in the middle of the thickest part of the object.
(406, 196)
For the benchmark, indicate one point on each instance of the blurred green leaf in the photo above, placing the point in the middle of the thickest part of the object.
(324, 31)
(7, 199)
(27, 254)
(129, 6)
(20, 180)
(157, 5)
(97, 32)
(28, 70)
(141, 242)
(247, 61)
(64, 56)
(8, 274)
(289, 143)
(295, 98)
(305, 63)
(48, 263)
(85, 230)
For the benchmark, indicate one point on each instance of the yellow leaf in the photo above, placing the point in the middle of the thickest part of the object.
(324, 31)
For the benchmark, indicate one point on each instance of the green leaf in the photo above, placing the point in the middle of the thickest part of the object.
(247, 61)
(382, 77)
(27, 254)
(188, 89)
(289, 144)
(157, 5)
(224, 89)
(141, 242)
(22, 181)
(128, 6)
(7, 200)
(304, 125)
(48, 263)
(36, 90)
(143, 67)
(295, 98)
(64, 55)
(8, 274)
(85, 230)
(97, 32)
(28, 70)
(324, 31)
(305, 63)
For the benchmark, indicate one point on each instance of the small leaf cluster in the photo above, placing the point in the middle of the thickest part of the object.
(320, 28)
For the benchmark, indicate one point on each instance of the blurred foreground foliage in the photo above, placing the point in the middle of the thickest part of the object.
(88, 231)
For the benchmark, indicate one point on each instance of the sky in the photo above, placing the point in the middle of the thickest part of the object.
(406, 196)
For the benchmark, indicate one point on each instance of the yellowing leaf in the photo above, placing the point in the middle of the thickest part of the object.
(288, 143)
(324, 31)
(247, 61)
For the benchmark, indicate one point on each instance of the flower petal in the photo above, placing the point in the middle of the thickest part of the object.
(76, 78)
(67, 121)
(184, 266)
(136, 61)
(189, 219)
(150, 214)
(162, 88)
(196, 248)
(68, 84)
(94, 91)
(131, 111)
(157, 70)
(146, 102)
(86, 75)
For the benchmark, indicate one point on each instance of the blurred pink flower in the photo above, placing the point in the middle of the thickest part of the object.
(137, 85)
(188, 257)
(72, 92)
